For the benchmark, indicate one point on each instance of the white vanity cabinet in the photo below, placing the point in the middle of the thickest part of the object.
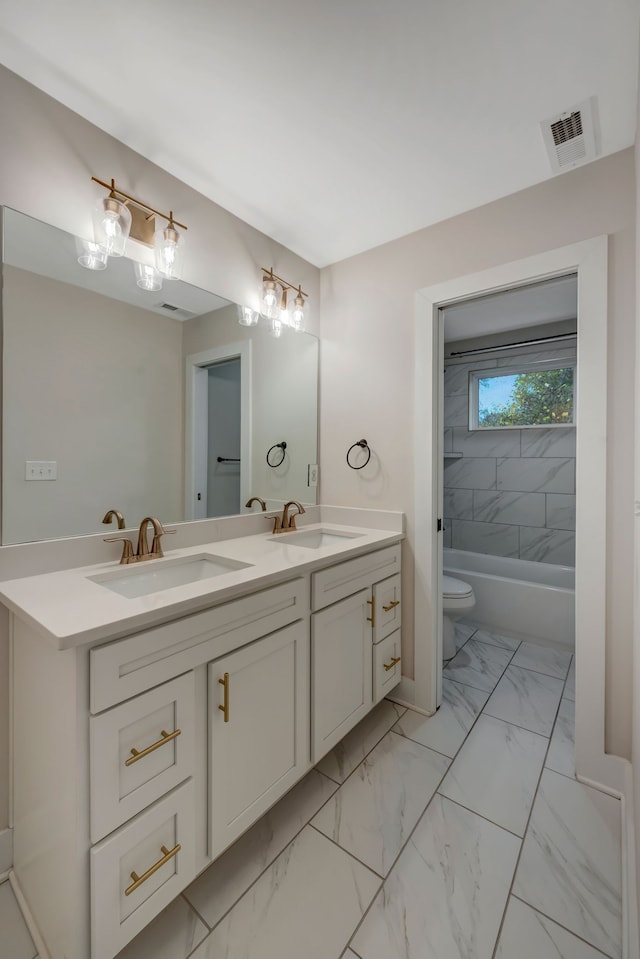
(137, 760)
(348, 624)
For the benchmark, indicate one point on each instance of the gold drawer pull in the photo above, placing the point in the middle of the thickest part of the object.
(394, 662)
(138, 880)
(225, 705)
(136, 755)
(396, 602)
(372, 619)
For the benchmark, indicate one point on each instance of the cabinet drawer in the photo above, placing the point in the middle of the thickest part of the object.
(139, 751)
(158, 846)
(129, 666)
(387, 665)
(336, 582)
(387, 609)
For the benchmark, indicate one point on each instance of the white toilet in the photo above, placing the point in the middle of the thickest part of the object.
(457, 601)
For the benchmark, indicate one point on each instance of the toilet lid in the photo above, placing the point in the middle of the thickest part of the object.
(455, 587)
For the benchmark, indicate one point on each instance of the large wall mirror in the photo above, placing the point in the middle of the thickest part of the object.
(148, 402)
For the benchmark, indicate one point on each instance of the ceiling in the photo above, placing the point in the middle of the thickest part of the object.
(536, 304)
(335, 126)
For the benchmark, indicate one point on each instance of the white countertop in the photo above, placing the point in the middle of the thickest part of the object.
(71, 610)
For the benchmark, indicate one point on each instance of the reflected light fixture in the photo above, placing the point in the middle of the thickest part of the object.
(90, 256)
(120, 216)
(247, 316)
(274, 305)
(147, 277)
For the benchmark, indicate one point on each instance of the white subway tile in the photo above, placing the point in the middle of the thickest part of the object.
(458, 503)
(552, 442)
(561, 511)
(486, 442)
(486, 538)
(456, 410)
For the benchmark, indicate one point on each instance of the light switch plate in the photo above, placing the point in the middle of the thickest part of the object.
(312, 474)
(41, 470)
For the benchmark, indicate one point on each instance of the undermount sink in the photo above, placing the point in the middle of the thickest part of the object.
(154, 576)
(315, 538)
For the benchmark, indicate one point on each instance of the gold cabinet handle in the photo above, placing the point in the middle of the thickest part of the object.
(392, 605)
(394, 662)
(140, 754)
(138, 880)
(225, 704)
(372, 619)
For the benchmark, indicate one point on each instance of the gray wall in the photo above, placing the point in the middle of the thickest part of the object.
(512, 493)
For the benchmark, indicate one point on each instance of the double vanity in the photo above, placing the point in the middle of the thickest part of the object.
(160, 708)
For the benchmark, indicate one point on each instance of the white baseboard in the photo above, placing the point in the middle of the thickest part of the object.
(38, 941)
(6, 850)
(630, 931)
(404, 695)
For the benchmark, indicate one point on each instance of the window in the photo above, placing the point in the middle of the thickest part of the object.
(527, 395)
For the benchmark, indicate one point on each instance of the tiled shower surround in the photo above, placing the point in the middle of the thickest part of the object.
(512, 493)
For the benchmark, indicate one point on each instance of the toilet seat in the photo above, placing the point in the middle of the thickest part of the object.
(455, 588)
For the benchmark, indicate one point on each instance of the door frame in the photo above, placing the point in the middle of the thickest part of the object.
(196, 421)
(588, 259)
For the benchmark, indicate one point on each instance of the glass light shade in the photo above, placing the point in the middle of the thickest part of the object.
(111, 225)
(297, 314)
(169, 250)
(147, 277)
(276, 327)
(247, 316)
(271, 299)
(90, 256)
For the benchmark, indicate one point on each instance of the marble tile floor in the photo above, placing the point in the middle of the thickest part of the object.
(460, 836)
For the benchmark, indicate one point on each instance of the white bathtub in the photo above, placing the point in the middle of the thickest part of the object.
(517, 597)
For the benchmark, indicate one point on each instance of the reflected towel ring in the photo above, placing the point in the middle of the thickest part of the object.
(277, 446)
(363, 445)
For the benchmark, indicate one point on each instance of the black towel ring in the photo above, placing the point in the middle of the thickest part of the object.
(277, 446)
(363, 445)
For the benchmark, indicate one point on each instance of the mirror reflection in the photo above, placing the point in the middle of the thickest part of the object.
(150, 402)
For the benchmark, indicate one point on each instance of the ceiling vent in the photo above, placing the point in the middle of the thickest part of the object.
(178, 312)
(569, 137)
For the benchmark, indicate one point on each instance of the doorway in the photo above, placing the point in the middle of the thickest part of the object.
(589, 261)
(217, 431)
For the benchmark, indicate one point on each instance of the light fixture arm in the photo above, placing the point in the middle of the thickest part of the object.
(270, 275)
(114, 192)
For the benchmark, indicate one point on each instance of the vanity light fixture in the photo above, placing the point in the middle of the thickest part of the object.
(274, 305)
(120, 215)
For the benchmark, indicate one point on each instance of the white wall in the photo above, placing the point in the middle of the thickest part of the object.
(47, 157)
(112, 420)
(367, 348)
(223, 479)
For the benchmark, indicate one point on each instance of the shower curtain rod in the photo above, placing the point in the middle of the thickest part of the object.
(513, 346)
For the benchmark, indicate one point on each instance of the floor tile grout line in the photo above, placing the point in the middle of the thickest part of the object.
(404, 709)
(193, 909)
(539, 672)
(268, 866)
(509, 722)
(307, 823)
(480, 815)
(524, 835)
(395, 861)
(606, 955)
(347, 852)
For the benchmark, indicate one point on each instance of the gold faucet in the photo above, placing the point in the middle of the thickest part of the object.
(256, 499)
(286, 523)
(142, 552)
(114, 514)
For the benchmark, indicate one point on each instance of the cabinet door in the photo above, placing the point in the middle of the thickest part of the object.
(258, 730)
(340, 669)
